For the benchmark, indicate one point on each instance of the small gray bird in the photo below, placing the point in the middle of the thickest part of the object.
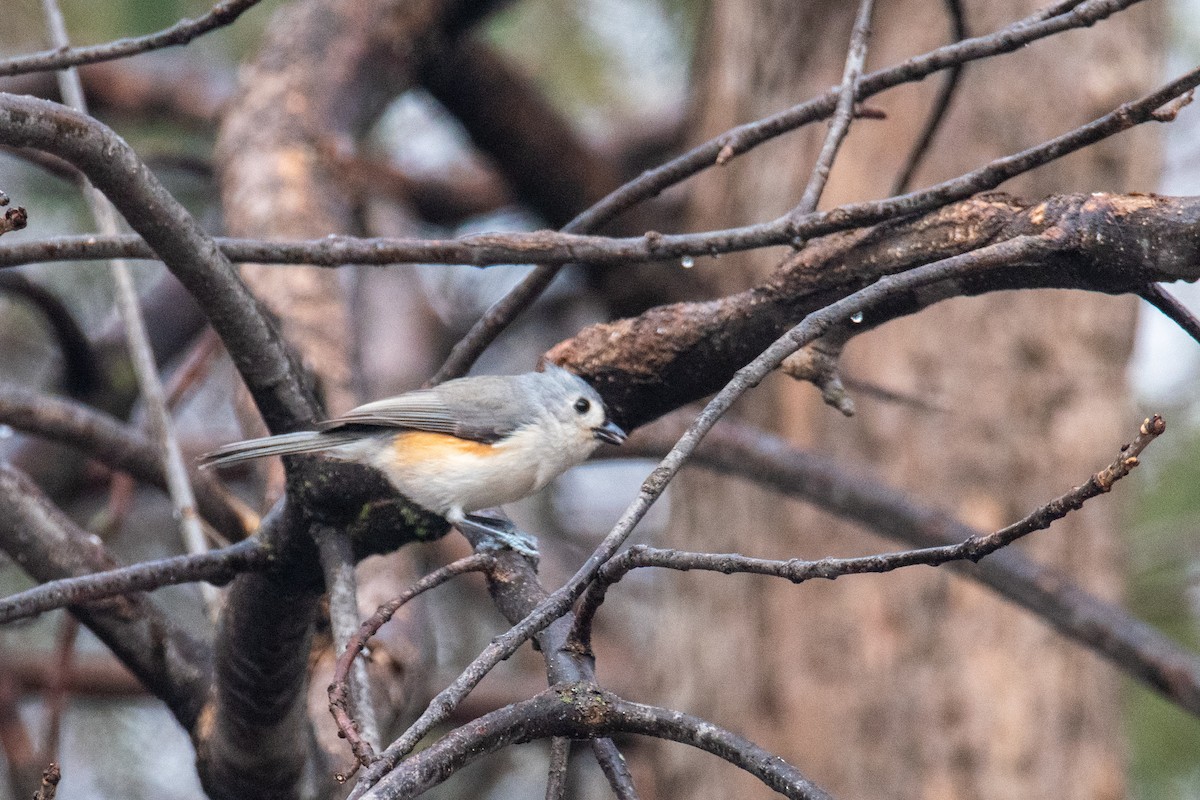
(465, 445)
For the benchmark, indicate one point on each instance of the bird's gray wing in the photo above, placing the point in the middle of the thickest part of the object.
(479, 409)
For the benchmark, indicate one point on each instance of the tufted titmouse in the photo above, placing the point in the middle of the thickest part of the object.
(468, 444)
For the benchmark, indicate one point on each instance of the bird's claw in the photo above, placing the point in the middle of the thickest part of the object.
(500, 534)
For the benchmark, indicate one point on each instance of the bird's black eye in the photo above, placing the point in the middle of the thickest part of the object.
(583, 405)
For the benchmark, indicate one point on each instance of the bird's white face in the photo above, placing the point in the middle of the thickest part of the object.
(586, 411)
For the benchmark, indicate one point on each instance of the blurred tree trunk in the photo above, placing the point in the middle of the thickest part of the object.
(915, 684)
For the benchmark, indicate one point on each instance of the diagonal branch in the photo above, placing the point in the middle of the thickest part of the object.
(941, 103)
(112, 166)
(182, 32)
(721, 149)
(843, 112)
(1173, 309)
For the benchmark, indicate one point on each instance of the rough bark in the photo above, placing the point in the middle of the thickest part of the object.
(916, 684)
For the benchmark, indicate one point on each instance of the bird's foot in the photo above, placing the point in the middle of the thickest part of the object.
(498, 534)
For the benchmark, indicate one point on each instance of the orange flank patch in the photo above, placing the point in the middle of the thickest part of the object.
(424, 446)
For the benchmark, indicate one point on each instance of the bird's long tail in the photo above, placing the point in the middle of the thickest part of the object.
(285, 444)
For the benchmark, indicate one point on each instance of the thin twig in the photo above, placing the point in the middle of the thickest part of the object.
(339, 688)
(179, 487)
(941, 103)
(195, 367)
(182, 32)
(799, 571)
(213, 566)
(337, 563)
(57, 685)
(1173, 309)
(1136, 648)
(843, 113)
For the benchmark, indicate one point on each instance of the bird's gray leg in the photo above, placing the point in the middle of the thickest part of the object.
(499, 534)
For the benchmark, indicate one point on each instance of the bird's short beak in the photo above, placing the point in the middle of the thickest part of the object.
(609, 432)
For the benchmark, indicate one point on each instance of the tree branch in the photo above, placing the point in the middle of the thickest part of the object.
(721, 149)
(550, 168)
(113, 167)
(168, 661)
(676, 354)
(113, 444)
(843, 112)
(582, 710)
(973, 548)
(941, 103)
(1129, 644)
(1174, 310)
(182, 32)
(215, 567)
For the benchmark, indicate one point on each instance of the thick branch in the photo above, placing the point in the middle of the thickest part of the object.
(551, 169)
(675, 354)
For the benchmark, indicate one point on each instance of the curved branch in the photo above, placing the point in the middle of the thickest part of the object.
(339, 686)
(112, 166)
(1172, 309)
(81, 375)
(582, 710)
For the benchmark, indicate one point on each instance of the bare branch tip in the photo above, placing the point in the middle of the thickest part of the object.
(1153, 426)
(1168, 112)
